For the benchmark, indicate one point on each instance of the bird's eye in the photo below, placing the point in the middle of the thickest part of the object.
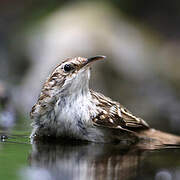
(67, 67)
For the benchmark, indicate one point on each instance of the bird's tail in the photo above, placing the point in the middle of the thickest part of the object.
(159, 138)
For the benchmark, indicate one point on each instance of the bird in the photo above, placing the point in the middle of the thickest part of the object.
(68, 109)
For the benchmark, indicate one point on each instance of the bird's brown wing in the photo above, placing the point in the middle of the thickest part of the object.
(113, 115)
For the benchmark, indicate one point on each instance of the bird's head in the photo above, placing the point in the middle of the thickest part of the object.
(68, 80)
(72, 75)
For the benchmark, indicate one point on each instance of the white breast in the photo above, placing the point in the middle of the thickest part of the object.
(72, 116)
(74, 119)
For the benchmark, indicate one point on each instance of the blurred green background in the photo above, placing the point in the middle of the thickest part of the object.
(141, 40)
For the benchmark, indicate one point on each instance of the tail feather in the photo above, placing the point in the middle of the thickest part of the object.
(159, 138)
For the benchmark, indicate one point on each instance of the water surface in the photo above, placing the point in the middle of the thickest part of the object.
(76, 160)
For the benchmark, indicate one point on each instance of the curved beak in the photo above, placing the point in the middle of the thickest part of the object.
(92, 59)
(95, 58)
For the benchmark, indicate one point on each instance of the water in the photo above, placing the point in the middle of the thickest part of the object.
(79, 161)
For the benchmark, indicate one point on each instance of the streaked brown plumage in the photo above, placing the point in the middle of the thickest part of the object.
(67, 107)
(114, 115)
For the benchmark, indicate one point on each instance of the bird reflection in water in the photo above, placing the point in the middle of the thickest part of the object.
(83, 161)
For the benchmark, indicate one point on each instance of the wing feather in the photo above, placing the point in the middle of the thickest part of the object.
(114, 115)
